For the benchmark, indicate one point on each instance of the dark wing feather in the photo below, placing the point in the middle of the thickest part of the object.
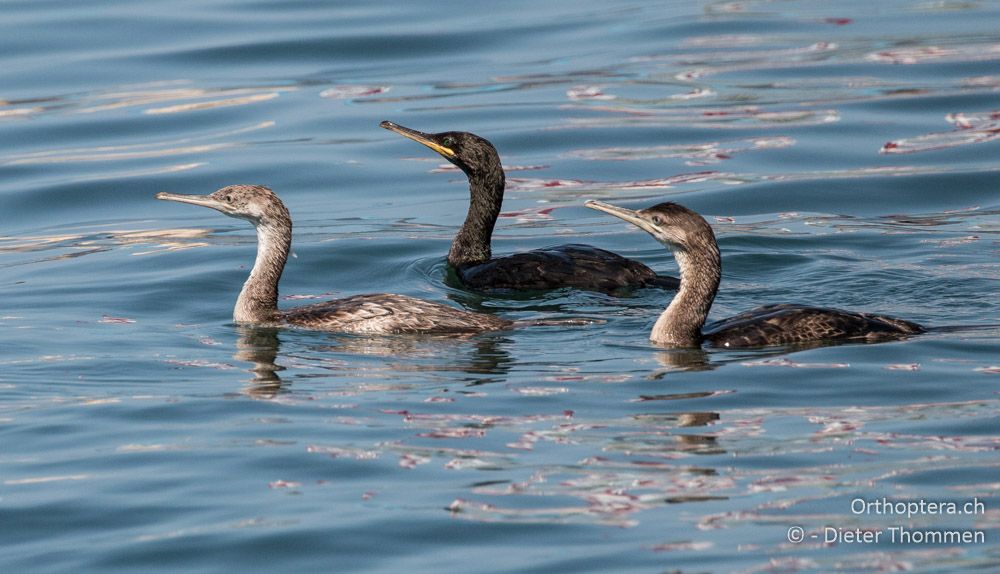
(384, 313)
(791, 324)
(579, 266)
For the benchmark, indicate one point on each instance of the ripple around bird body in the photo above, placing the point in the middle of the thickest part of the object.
(845, 155)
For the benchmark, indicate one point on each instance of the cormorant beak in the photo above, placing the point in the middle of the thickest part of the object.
(664, 233)
(202, 200)
(628, 215)
(419, 137)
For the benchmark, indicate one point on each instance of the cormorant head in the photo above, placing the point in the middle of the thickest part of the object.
(255, 203)
(673, 225)
(472, 154)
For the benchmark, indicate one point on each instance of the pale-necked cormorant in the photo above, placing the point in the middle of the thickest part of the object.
(693, 244)
(366, 314)
(580, 266)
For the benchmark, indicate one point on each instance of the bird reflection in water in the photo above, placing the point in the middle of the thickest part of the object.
(479, 354)
(691, 359)
(661, 440)
(475, 355)
(698, 359)
(259, 345)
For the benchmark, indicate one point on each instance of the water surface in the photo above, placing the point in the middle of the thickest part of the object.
(846, 155)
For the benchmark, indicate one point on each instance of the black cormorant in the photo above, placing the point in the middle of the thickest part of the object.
(573, 265)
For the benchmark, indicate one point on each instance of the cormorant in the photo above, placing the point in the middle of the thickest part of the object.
(693, 244)
(366, 314)
(573, 265)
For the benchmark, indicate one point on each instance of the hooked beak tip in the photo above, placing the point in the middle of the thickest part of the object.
(419, 137)
(610, 208)
(202, 200)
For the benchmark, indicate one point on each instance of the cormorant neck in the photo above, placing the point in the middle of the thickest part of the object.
(472, 243)
(680, 325)
(258, 301)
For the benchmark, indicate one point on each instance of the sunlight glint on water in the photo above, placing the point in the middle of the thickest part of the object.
(845, 155)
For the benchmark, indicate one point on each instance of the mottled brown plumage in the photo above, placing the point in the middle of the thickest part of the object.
(364, 314)
(693, 243)
(787, 324)
(579, 266)
(387, 313)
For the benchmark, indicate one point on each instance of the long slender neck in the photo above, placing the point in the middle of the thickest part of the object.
(472, 244)
(680, 325)
(258, 301)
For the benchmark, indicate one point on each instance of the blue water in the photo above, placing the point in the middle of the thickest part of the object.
(846, 154)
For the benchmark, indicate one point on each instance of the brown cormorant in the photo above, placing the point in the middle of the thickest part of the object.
(366, 314)
(693, 244)
(580, 266)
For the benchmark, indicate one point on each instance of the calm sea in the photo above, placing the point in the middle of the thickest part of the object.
(846, 154)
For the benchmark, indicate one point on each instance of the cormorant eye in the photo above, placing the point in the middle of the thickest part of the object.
(448, 141)
(228, 198)
(657, 220)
